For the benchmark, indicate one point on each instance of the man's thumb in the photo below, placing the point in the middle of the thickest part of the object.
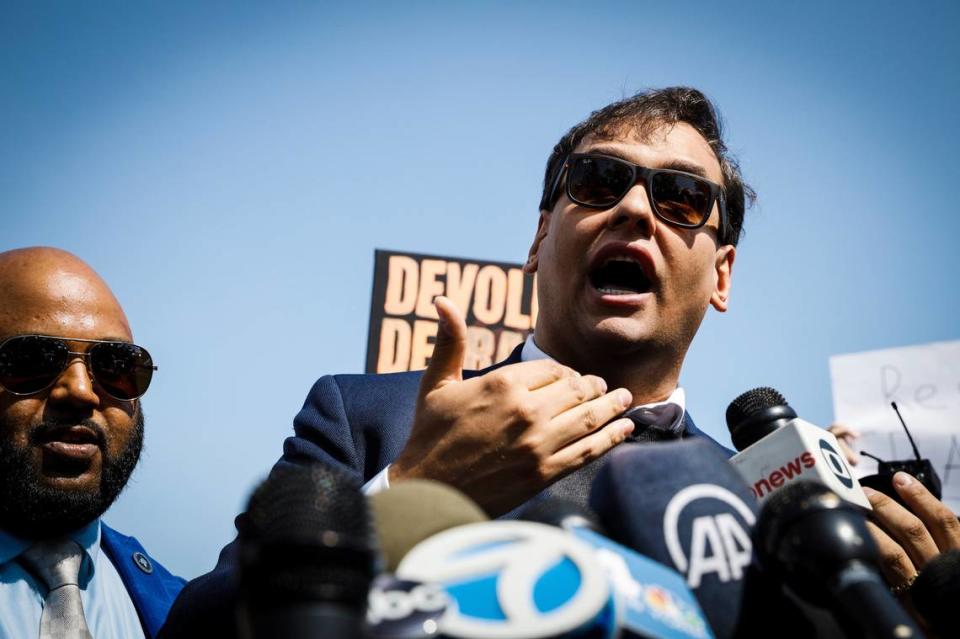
(446, 364)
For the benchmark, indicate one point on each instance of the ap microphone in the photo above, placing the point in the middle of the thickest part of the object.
(306, 556)
(682, 505)
(777, 448)
(820, 546)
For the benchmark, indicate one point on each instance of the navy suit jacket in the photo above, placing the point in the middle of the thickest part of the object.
(150, 586)
(359, 423)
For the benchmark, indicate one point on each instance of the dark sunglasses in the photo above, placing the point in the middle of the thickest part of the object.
(31, 363)
(678, 198)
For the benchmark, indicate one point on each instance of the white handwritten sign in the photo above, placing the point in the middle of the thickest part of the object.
(924, 381)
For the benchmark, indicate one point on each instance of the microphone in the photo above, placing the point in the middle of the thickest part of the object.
(306, 557)
(410, 511)
(515, 580)
(936, 592)
(682, 505)
(777, 448)
(652, 600)
(821, 548)
(404, 515)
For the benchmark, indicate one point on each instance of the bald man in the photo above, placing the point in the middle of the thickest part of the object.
(71, 431)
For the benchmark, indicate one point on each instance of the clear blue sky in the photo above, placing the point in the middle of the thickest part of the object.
(230, 170)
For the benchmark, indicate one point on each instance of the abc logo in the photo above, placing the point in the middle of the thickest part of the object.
(403, 608)
(511, 580)
(835, 463)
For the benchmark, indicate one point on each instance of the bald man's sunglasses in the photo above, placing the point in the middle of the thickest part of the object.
(31, 363)
(677, 197)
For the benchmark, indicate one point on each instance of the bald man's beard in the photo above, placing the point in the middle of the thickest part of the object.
(31, 509)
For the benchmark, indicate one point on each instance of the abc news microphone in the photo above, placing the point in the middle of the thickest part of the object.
(777, 448)
(651, 599)
(517, 579)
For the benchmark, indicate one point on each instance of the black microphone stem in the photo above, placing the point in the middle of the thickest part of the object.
(909, 436)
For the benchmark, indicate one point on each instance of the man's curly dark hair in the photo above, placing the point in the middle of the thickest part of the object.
(644, 113)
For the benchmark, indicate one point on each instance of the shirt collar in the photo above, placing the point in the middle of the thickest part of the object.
(531, 352)
(88, 537)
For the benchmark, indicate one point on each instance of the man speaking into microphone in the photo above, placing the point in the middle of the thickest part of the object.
(640, 213)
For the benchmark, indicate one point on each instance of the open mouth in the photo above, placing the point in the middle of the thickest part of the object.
(620, 275)
(68, 451)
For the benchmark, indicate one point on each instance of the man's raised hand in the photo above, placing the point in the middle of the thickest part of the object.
(504, 436)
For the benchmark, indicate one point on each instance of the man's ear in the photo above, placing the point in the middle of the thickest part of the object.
(724, 273)
(543, 226)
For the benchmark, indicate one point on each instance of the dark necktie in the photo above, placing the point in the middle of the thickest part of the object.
(656, 423)
(57, 564)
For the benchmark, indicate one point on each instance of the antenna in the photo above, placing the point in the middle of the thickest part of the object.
(873, 457)
(909, 436)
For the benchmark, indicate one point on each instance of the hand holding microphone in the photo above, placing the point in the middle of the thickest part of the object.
(909, 539)
(502, 437)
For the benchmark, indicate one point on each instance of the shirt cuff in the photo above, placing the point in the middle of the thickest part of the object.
(379, 483)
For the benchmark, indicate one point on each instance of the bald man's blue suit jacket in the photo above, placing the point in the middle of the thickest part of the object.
(359, 423)
(150, 586)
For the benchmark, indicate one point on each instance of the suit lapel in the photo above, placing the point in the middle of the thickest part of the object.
(690, 430)
(151, 588)
(514, 358)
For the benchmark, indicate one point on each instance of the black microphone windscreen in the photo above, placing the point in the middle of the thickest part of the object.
(752, 402)
(936, 592)
(305, 503)
(805, 532)
(819, 545)
(306, 536)
(785, 506)
(755, 414)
